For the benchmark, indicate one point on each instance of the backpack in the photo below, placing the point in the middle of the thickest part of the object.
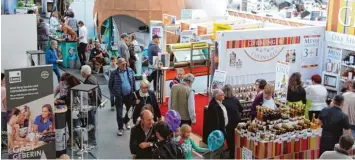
(170, 150)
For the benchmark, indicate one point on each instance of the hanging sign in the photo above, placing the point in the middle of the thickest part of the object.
(30, 126)
(184, 26)
(201, 30)
(341, 16)
(169, 20)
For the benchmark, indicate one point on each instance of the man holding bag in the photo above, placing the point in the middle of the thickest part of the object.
(122, 85)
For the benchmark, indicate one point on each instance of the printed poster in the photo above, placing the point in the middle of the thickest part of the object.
(333, 59)
(311, 53)
(253, 56)
(30, 125)
(281, 81)
(186, 36)
(219, 78)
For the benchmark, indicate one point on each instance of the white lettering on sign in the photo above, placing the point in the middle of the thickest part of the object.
(347, 21)
(284, 69)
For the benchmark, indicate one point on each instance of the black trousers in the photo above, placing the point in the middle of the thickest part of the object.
(127, 101)
(154, 77)
(81, 53)
(230, 141)
(185, 122)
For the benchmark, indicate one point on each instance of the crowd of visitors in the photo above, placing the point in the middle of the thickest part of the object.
(151, 136)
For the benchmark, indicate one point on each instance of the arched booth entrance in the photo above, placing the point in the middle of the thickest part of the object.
(126, 13)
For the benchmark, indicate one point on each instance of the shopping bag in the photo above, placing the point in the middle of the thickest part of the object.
(130, 112)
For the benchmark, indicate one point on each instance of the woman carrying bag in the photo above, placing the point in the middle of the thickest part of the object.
(145, 96)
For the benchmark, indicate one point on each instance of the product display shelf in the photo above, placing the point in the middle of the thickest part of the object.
(347, 67)
(84, 102)
(289, 137)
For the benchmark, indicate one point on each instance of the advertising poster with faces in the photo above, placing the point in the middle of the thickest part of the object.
(333, 59)
(31, 123)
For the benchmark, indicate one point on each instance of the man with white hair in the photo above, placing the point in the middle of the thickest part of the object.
(216, 113)
(182, 100)
(90, 79)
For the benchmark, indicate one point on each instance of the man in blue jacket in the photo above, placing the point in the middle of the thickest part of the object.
(153, 50)
(122, 85)
(52, 58)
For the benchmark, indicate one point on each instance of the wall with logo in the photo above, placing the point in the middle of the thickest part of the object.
(247, 55)
(341, 16)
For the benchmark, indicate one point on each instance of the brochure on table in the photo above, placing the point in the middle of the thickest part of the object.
(31, 90)
(253, 54)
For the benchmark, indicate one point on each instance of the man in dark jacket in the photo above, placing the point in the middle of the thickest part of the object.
(122, 84)
(90, 79)
(166, 148)
(143, 137)
(42, 35)
(217, 115)
(153, 50)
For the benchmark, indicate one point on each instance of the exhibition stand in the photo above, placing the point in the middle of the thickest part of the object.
(339, 59)
(68, 51)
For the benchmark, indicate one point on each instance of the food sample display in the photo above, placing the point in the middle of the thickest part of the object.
(280, 133)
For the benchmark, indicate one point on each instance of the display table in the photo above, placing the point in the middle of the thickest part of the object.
(61, 135)
(69, 50)
(40, 57)
(298, 147)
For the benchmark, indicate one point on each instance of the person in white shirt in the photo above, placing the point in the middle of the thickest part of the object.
(83, 42)
(317, 94)
(54, 23)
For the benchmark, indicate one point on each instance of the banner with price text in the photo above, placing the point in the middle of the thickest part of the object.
(311, 52)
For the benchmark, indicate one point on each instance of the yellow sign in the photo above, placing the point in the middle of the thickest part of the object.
(341, 16)
(219, 27)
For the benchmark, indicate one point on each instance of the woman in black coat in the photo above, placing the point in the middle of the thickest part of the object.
(234, 109)
(145, 96)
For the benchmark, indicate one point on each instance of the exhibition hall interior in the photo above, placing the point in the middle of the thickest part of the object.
(177, 79)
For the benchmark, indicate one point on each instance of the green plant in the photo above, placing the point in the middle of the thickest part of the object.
(20, 4)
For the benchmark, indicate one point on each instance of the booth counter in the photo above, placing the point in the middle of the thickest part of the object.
(68, 50)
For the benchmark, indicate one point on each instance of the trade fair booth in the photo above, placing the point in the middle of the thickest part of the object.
(339, 63)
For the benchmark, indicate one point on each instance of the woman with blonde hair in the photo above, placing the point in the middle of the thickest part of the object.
(264, 99)
(143, 97)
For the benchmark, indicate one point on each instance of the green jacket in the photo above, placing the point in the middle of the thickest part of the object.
(189, 144)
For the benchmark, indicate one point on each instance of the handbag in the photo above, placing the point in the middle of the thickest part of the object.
(131, 110)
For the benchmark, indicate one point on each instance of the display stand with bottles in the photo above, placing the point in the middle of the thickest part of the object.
(84, 102)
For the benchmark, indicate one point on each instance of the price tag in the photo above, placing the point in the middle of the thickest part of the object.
(246, 153)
